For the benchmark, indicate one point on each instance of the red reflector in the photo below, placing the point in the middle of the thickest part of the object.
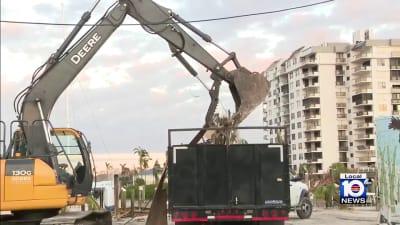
(189, 219)
(274, 213)
(270, 218)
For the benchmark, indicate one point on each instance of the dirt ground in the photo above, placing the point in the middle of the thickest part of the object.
(320, 216)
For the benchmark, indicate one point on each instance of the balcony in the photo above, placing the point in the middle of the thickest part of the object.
(313, 139)
(312, 85)
(312, 106)
(314, 149)
(341, 105)
(361, 57)
(364, 125)
(343, 137)
(309, 61)
(395, 54)
(313, 127)
(309, 94)
(395, 67)
(343, 159)
(340, 73)
(365, 136)
(312, 117)
(366, 156)
(366, 149)
(342, 126)
(340, 60)
(362, 91)
(395, 112)
(284, 112)
(343, 149)
(365, 103)
(364, 114)
(314, 160)
(341, 115)
(395, 89)
(340, 83)
(310, 74)
(361, 70)
(362, 80)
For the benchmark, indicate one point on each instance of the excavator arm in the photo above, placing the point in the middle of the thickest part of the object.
(40, 97)
(248, 88)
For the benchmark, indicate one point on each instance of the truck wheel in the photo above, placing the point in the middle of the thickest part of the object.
(304, 209)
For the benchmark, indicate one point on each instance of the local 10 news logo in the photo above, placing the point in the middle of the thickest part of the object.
(353, 188)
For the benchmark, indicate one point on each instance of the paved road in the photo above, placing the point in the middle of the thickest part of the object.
(320, 216)
(355, 216)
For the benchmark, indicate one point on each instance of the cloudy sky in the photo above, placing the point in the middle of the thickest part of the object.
(132, 91)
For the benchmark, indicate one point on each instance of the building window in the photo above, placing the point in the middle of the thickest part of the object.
(299, 125)
(292, 115)
(381, 62)
(293, 126)
(291, 95)
(294, 157)
(298, 114)
(382, 84)
(300, 145)
(293, 136)
(297, 83)
(293, 146)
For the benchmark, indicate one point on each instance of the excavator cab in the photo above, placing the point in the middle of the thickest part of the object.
(74, 160)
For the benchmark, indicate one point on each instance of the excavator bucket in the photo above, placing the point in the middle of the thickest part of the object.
(249, 90)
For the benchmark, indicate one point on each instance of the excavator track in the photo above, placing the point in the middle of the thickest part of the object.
(68, 218)
(80, 218)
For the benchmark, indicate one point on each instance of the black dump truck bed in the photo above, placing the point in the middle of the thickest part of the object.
(238, 182)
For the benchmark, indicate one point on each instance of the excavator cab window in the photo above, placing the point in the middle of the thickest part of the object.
(70, 156)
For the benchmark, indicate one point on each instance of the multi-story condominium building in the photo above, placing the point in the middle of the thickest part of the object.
(329, 95)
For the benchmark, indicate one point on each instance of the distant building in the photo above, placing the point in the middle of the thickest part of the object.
(329, 96)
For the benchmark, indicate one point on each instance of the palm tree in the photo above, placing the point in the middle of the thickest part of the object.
(144, 158)
(156, 171)
(227, 135)
(395, 124)
(108, 167)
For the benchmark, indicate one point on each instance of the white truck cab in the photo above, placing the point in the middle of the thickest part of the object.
(300, 198)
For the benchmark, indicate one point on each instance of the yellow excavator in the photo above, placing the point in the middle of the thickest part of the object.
(45, 169)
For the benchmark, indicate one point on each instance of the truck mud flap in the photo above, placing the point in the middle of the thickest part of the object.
(81, 218)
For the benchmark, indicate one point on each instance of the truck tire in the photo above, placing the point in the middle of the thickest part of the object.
(304, 209)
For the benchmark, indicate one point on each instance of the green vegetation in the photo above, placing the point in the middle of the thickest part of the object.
(388, 175)
(149, 191)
